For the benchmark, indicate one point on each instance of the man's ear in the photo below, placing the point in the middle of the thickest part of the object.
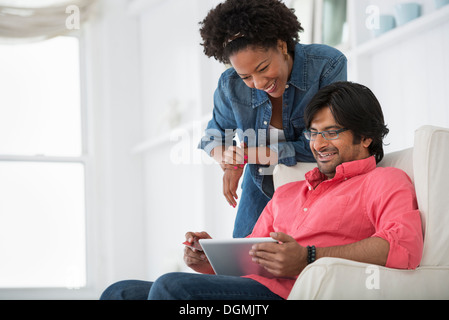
(366, 142)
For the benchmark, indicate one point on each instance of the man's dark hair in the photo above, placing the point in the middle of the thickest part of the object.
(354, 107)
(237, 24)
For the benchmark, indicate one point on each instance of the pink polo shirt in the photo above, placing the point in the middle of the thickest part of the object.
(361, 201)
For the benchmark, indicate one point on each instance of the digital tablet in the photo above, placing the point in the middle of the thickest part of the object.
(231, 257)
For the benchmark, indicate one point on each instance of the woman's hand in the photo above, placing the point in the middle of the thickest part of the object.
(233, 162)
(196, 259)
(236, 156)
(239, 156)
(231, 178)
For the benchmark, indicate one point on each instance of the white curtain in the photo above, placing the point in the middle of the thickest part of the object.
(34, 20)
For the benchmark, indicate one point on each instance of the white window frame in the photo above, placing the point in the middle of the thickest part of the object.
(90, 291)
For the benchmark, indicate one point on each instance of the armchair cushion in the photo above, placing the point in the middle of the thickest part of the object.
(332, 278)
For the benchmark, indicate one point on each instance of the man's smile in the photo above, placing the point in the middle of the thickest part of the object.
(325, 156)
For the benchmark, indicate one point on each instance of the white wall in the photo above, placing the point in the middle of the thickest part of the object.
(411, 82)
(182, 192)
(116, 232)
(406, 68)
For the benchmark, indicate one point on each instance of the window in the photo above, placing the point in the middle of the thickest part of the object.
(334, 22)
(42, 166)
(324, 21)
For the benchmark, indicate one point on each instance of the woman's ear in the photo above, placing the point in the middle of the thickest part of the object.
(282, 46)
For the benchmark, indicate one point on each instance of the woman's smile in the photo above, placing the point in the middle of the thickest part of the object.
(272, 88)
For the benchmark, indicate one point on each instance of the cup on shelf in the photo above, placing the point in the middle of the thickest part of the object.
(440, 3)
(406, 12)
(386, 23)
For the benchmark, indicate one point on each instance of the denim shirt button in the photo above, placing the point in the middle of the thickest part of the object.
(265, 122)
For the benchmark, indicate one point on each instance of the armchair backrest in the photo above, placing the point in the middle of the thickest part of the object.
(431, 174)
(427, 164)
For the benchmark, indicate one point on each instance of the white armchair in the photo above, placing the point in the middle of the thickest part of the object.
(427, 164)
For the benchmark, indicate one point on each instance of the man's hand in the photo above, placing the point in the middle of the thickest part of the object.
(285, 259)
(195, 259)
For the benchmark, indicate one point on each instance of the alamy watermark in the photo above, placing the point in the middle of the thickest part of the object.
(72, 22)
(372, 281)
(372, 22)
(187, 140)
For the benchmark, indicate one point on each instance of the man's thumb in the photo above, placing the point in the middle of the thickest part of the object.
(281, 237)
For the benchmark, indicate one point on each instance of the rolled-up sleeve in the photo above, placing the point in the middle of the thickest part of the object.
(395, 215)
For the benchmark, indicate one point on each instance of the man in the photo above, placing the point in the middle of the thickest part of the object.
(347, 208)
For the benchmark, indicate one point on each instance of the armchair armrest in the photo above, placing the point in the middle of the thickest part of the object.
(332, 278)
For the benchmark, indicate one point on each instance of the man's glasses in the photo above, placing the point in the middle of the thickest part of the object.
(328, 135)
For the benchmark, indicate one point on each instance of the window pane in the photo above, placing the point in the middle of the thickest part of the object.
(42, 225)
(304, 10)
(334, 21)
(40, 100)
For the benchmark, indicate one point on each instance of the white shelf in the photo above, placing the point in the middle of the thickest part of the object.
(407, 31)
(42, 158)
(167, 137)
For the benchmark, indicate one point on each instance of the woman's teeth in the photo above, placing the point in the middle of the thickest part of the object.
(271, 88)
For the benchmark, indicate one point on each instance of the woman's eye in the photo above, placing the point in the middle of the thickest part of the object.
(261, 70)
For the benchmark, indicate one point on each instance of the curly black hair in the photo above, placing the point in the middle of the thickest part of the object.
(236, 24)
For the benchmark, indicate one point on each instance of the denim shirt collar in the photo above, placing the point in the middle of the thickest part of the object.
(297, 78)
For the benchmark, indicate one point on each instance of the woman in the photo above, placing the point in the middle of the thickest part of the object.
(262, 97)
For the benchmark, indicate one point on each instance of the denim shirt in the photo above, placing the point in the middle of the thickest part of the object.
(247, 112)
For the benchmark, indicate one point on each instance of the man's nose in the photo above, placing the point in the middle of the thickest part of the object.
(320, 142)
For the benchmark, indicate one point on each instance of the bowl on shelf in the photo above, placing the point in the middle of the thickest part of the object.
(406, 12)
(440, 3)
(386, 23)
